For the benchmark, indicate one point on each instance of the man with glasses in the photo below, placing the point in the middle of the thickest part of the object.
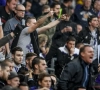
(11, 23)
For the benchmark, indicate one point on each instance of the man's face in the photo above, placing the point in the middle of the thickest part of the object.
(70, 44)
(11, 65)
(14, 82)
(97, 5)
(31, 22)
(29, 62)
(42, 66)
(24, 88)
(28, 6)
(56, 9)
(46, 11)
(20, 11)
(87, 3)
(94, 23)
(6, 72)
(18, 57)
(12, 5)
(87, 55)
(46, 82)
(43, 2)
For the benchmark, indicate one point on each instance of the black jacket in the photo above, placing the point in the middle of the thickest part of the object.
(2, 83)
(63, 58)
(72, 76)
(85, 36)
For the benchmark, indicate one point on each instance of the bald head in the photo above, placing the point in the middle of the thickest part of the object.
(19, 6)
(20, 10)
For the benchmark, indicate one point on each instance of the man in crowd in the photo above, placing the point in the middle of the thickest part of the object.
(17, 19)
(65, 54)
(91, 35)
(4, 73)
(76, 74)
(17, 56)
(39, 66)
(81, 15)
(10, 63)
(7, 11)
(44, 82)
(13, 80)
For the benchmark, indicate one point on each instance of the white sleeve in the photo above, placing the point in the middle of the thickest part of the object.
(0, 22)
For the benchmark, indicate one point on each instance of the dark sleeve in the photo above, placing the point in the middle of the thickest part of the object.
(67, 73)
(80, 37)
(5, 39)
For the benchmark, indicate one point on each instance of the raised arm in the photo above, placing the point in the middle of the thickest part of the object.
(39, 22)
(50, 25)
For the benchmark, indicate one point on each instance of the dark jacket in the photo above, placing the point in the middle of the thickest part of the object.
(85, 36)
(72, 76)
(63, 58)
(2, 83)
(81, 15)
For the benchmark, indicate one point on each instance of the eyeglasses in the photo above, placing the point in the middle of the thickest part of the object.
(20, 10)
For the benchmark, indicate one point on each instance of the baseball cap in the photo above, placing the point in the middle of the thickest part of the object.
(12, 75)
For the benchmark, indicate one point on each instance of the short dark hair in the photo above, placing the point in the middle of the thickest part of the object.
(42, 76)
(70, 39)
(3, 66)
(45, 7)
(24, 84)
(8, 60)
(91, 17)
(82, 49)
(13, 51)
(54, 4)
(8, 1)
(35, 61)
(28, 19)
(67, 11)
(65, 1)
(25, 3)
(29, 55)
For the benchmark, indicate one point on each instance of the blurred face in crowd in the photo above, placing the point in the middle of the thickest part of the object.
(43, 2)
(31, 22)
(6, 72)
(29, 61)
(94, 23)
(47, 10)
(28, 6)
(18, 57)
(42, 67)
(87, 3)
(11, 65)
(12, 5)
(46, 82)
(14, 82)
(20, 11)
(97, 5)
(56, 9)
(70, 44)
(87, 55)
(67, 17)
(24, 88)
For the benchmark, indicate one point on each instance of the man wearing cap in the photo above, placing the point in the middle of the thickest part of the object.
(13, 80)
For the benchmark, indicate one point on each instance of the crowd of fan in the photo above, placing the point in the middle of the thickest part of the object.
(49, 44)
